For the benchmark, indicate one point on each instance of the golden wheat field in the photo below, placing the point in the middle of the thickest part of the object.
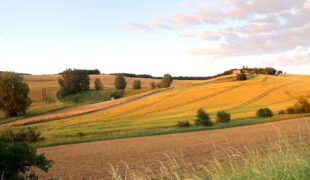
(240, 98)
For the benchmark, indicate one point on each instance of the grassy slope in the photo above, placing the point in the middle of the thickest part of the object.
(165, 109)
(50, 83)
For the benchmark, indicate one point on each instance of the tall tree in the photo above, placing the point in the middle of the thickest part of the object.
(120, 82)
(14, 94)
(166, 81)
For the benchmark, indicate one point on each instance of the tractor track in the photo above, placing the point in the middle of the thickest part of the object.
(259, 97)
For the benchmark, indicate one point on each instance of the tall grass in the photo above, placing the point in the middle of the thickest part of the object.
(285, 158)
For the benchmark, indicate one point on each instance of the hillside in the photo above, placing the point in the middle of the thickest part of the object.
(164, 109)
(47, 85)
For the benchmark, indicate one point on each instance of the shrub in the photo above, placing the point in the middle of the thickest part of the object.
(18, 159)
(290, 110)
(241, 77)
(152, 85)
(158, 85)
(282, 112)
(264, 112)
(29, 134)
(183, 124)
(302, 106)
(117, 94)
(98, 84)
(203, 119)
(80, 134)
(14, 94)
(120, 82)
(223, 116)
(136, 84)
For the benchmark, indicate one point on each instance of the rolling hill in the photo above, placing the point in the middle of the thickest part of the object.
(164, 109)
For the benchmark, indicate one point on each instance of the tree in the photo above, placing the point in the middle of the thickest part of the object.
(166, 81)
(74, 81)
(152, 85)
(14, 94)
(18, 159)
(120, 82)
(98, 84)
(264, 113)
(203, 119)
(223, 116)
(136, 84)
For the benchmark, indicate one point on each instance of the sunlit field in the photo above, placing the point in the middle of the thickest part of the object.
(240, 98)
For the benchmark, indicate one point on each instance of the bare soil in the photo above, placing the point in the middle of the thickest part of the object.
(92, 160)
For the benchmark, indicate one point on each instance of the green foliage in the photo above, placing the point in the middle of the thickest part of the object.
(152, 85)
(74, 81)
(136, 84)
(29, 134)
(120, 82)
(166, 81)
(282, 112)
(223, 116)
(18, 159)
(302, 106)
(98, 84)
(203, 119)
(183, 124)
(241, 77)
(264, 113)
(117, 94)
(14, 94)
(158, 85)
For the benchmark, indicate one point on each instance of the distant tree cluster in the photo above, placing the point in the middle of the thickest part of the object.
(14, 94)
(89, 71)
(267, 70)
(74, 81)
(135, 75)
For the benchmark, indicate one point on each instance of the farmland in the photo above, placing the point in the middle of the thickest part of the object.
(165, 108)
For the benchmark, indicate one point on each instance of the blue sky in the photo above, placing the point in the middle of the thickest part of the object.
(153, 37)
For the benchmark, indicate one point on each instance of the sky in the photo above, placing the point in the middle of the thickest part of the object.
(189, 38)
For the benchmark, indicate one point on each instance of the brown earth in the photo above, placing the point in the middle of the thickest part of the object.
(91, 160)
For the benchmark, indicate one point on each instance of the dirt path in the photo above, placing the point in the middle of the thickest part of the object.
(92, 159)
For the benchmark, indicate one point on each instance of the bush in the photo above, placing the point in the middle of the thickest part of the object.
(203, 118)
(241, 77)
(223, 116)
(183, 124)
(264, 112)
(282, 112)
(80, 134)
(14, 94)
(158, 85)
(117, 94)
(136, 84)
(152, 85)
(29, 134)
(18, 159)
(302, 106)
(98, 84)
